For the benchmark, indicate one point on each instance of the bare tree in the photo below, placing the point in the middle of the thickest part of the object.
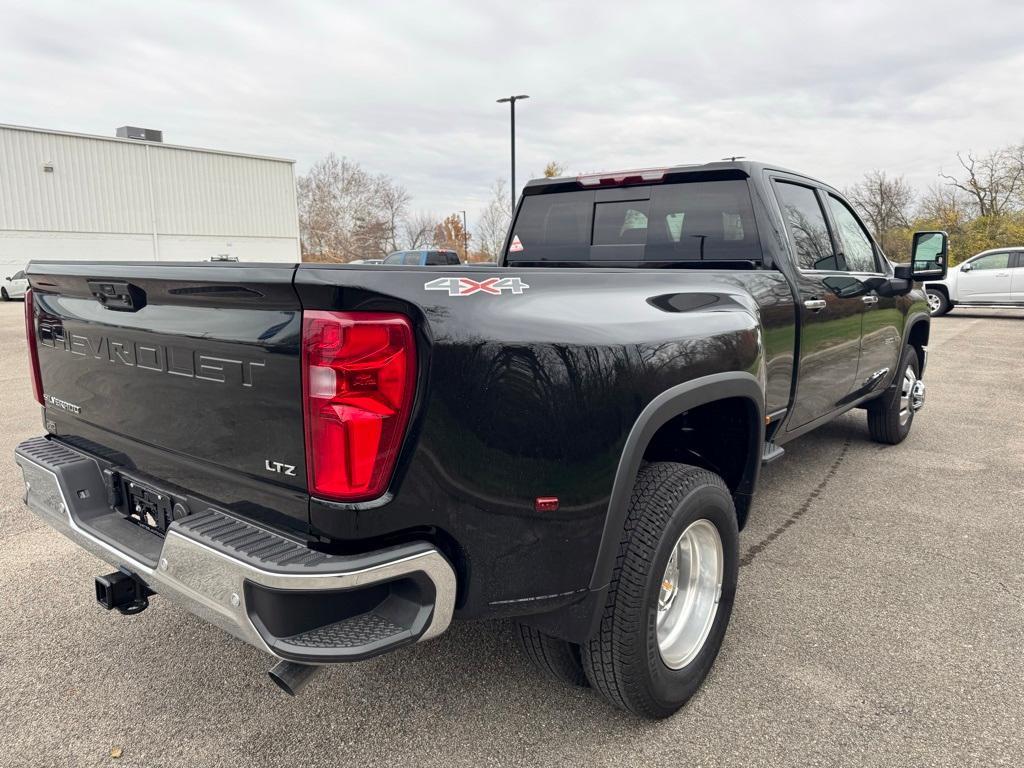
(347, 213)
(994, 183)
(418, 231)
(945, 206)
(492, 227)
(394, 204)
(884, 202)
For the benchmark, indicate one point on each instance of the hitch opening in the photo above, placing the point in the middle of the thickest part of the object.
(124, 591)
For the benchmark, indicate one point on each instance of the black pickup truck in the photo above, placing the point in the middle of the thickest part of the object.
(331, 462)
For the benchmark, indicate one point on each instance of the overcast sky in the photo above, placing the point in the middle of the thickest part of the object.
(830, 88)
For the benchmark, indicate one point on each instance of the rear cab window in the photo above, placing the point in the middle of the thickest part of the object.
(674, 223)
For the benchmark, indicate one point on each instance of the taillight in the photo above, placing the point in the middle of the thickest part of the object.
(359, 376)
(33, 351)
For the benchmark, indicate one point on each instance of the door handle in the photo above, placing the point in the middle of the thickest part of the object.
(815, 305)
(869, 299)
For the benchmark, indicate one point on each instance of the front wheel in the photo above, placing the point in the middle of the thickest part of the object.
(938, 303)
(671, 593)
(4, 295)
(891, 416)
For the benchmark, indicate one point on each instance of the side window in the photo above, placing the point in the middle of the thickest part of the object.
(554, 227)
(395, 258)
(413, 258)
(453, 258)
(19, 275)
(435, 257)
(807, 227)
(857, 247)
(992, 261)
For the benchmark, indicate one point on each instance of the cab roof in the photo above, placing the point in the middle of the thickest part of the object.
(719, 169)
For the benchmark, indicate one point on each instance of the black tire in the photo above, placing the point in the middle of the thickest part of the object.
(4, 295)
(555, 658)
(942, 301)
(623, 660)
(885, 422)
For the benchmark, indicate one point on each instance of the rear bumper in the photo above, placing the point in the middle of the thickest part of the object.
(269, 590)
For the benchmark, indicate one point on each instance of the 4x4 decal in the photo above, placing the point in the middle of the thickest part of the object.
(465, 286)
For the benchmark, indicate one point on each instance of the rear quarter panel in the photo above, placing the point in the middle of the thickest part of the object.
(534, 394)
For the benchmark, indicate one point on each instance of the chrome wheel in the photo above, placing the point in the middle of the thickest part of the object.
(907, 393)
(934, 302)
(690, 590)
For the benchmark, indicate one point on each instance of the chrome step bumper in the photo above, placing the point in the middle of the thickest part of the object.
(264, 588)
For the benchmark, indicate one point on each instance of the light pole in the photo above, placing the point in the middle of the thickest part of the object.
(512, 103)
(465, 237)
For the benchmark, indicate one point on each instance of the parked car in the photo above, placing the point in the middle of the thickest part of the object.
(14, 286)
(990, 278)
(423, 258)
(366, 261)
(345, 459)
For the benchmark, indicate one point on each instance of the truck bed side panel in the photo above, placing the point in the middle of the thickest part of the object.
(534, 395)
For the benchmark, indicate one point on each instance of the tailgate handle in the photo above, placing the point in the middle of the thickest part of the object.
(120, 297)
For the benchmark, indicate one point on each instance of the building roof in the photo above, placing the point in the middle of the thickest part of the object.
(29, 129)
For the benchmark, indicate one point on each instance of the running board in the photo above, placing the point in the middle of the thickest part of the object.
(771, 453)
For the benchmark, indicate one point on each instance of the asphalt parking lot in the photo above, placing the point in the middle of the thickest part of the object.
(879, 621)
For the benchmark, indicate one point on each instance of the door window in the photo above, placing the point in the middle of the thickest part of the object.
(857, 247)
(992, 261)
(807, 227)
(395, 258)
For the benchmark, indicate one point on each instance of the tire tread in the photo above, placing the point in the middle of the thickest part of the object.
(608, 658)
(556, 659)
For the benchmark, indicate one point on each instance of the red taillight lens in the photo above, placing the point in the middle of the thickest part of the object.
(33, 350)
(359, 376)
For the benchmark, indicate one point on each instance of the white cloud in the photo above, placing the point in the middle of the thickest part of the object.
(833, 89)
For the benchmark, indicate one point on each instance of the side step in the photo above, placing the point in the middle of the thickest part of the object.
(771, 453)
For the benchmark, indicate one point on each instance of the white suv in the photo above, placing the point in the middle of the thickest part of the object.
(14, 286)
(991, 278)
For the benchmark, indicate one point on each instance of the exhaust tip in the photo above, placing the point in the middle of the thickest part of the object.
(291, 677)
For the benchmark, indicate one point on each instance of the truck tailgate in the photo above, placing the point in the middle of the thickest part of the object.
(196, 362)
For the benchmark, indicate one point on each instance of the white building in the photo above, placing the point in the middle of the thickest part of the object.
(73, 196)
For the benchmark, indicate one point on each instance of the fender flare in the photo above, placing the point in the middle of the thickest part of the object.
(663, 408)
(912, 322)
